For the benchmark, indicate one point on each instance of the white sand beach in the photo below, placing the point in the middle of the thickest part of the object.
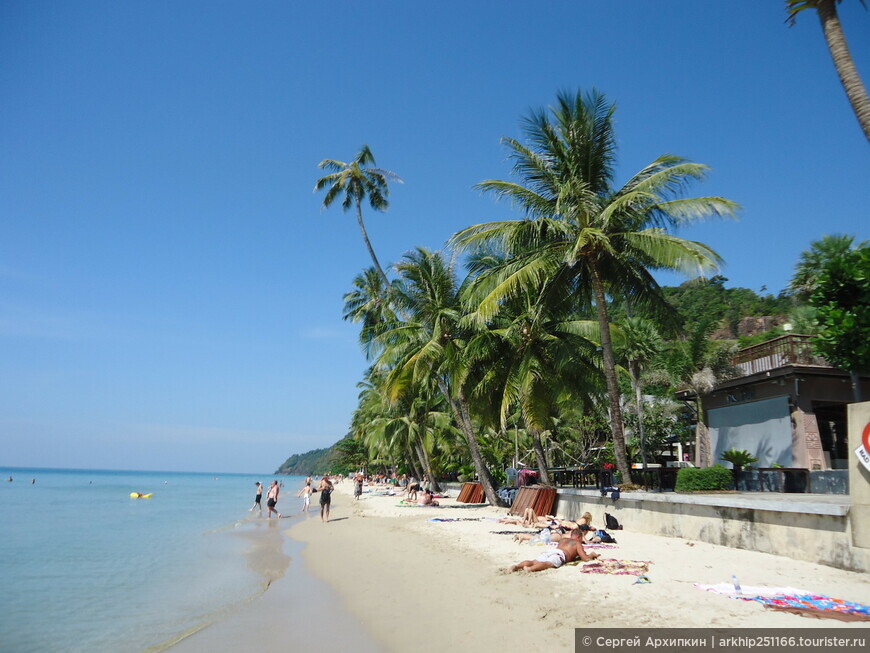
(421, 585)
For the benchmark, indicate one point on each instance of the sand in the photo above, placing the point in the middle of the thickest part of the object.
(420, 585)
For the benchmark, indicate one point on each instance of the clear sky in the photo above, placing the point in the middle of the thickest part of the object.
(170, 292)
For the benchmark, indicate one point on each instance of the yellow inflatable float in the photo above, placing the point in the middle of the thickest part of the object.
(139, 495)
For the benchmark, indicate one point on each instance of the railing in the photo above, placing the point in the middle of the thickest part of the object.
(779, 352)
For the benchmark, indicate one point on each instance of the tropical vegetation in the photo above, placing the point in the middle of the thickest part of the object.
(544, 340)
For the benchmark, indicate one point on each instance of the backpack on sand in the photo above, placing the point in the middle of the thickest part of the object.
(611, 522)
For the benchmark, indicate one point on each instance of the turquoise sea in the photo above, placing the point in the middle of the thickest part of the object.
(86, 568)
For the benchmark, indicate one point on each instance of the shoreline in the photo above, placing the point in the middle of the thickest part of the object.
(408, 583)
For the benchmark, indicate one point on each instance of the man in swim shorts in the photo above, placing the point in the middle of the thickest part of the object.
(325, 488)
(272, 500)
(257, 498)
(569, 549)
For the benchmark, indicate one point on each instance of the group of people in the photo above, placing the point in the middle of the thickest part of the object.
(325, 488)
(569, 537)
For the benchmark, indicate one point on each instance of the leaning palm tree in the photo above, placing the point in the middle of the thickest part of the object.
(356, 181)
(426, 345)
(584, 235)
(836, 40)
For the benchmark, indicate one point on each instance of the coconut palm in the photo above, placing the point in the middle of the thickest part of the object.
(813, 261)
(357, 182)
(641, 343)
(531, 355)
(585, 238)
(427, 344)
(836, 40)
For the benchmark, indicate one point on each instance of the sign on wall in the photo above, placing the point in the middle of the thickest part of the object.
(863, 450)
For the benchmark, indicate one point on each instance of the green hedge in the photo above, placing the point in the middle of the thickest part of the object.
(692, 479)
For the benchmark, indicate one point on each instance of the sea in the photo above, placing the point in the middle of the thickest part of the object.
(85, 567)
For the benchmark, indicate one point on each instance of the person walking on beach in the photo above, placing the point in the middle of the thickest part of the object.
(272, 501)
(257, 498)
(357, 486)
(325, 488)
(305, 493)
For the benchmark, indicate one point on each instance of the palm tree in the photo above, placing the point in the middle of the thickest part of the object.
(697, 363)
(640, 345)
(427, 345)
(846, 70)
(813, 261)
(357, 182)
(586, 236)
(531, 355)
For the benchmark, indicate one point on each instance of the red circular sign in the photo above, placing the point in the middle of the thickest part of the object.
(865, 437)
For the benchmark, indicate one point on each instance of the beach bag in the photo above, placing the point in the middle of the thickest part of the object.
(611, 523)
(605, 537)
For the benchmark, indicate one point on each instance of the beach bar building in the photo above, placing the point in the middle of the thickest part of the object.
(787, 407)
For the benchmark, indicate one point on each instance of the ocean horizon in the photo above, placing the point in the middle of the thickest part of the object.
(86, 565)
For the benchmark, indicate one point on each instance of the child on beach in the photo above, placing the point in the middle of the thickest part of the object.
(257, 498)
(305, 493)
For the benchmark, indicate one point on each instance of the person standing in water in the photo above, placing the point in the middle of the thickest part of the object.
(272, 500)
(305, 493)
(257, 498)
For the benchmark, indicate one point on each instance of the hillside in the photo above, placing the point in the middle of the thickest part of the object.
(315, 461)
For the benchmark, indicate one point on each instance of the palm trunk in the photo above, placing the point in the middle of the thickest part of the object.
(617, 427)
(460, 414)
(703, 453)
(635, 381)
(849, 77)
(426, 459)
(540, 455)
(412, 464)
(365, 236)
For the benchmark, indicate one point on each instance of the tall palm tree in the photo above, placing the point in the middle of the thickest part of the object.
(836, 40)
(356, 182)
(582, 233)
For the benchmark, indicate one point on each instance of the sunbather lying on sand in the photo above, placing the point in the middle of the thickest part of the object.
(531, 520)
(569, 549)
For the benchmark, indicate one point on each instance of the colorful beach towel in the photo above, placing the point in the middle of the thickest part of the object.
(616, 567)
(600, 546)
(813, 605)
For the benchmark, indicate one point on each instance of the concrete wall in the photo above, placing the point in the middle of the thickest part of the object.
(818, 533)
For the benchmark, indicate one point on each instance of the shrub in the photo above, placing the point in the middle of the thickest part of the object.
(692, 479)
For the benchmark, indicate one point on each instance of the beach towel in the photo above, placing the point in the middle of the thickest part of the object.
(813, 605)
(616, 567)
(456, 519)
(509, 532)
(600, 546)
(749, 590)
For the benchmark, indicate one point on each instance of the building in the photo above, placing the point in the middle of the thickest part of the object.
(787, 407)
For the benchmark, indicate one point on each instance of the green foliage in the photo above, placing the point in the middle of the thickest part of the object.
(842, 301)
(709, 300)
(738, 458)
(694, 479)
(301, 464)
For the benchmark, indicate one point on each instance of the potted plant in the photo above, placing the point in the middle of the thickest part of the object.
(739, 458)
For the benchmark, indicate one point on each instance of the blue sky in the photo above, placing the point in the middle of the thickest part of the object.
(170, 292)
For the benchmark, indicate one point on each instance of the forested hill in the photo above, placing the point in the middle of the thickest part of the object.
(315, 461)
(703, 299)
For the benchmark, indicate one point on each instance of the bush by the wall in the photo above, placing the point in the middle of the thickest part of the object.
(692, 479)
